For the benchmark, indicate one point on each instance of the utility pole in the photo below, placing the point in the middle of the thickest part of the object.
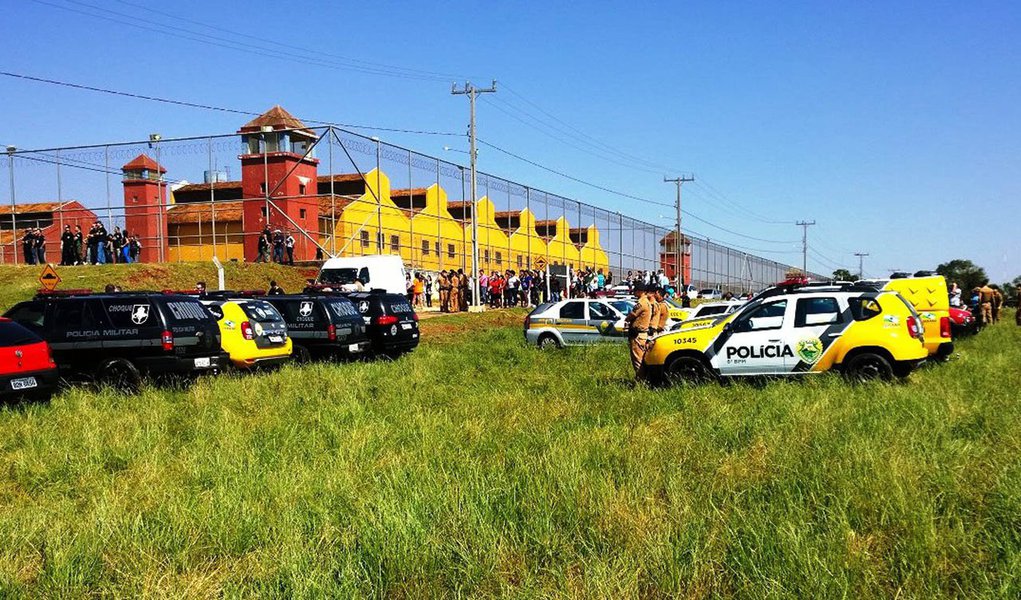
(804, 225)
(679, 241)
(471, 91)
(14, 209)
(861, 263)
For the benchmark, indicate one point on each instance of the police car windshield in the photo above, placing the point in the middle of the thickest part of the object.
(261, 311)
(343, 276)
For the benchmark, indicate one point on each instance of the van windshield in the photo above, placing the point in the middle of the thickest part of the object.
(344, 275)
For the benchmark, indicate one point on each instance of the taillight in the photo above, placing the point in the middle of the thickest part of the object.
(168, 341)
(414, 316)
(913, 328)
(246, 331)
(331, 333)
(386, 320)
(944, 327)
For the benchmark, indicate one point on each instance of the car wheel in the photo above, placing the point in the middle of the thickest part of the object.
(687, 370)
(301, 355)
(120, 375)
(548, 341)
(869, 366)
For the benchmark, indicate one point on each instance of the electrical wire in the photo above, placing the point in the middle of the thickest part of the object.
(187, 104)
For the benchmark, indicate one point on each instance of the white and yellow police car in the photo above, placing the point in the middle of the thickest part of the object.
(575, 322)
(792, 329)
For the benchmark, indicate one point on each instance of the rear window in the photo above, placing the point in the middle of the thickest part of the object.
(12, 334)
(186, 311)
(711, 310)
(343, 309)
(261, 311)
(399, 305)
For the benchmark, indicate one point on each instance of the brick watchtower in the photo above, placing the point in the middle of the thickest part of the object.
(145, 211)
(275, 144)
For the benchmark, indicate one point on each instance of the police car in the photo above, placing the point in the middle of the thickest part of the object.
(391, 324)
(252, 332)
(700, 311)
(574, 322)
(322, 325)
(860, 329)
(118, 338)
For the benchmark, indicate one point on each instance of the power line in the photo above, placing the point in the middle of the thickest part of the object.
(187, 104)
(716, 194)
(804, 225)
(627, 195)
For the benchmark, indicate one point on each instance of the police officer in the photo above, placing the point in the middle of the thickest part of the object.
(638, 321)
(444, 286)
(997, 303)
(662, 311)
(454, 299)
(985, 300)
(462, 290)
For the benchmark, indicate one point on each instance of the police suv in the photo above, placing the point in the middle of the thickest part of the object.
(794, 328)
(119, 337)
(391, 324)
(322, 325)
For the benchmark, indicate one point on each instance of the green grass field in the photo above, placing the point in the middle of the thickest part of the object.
(477, 466)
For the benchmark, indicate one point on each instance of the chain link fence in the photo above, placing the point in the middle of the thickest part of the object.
(219, 192)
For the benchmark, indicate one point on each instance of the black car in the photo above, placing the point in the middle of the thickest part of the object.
(119, 337)
(321, 325)
(390, 322)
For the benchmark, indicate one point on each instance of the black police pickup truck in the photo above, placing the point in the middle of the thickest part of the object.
(321, 325)
(390, 321)
(117, 338)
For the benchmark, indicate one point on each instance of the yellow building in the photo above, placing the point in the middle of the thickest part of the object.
(560, 250)
(437, 239)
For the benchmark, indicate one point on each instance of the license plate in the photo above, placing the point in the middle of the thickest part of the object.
(276, 339)
(354, 348)
(406, 325)
(202, 363)
(24, 383)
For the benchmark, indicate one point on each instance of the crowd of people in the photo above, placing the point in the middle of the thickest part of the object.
(99, 246)
(984, 302)
(277, 242)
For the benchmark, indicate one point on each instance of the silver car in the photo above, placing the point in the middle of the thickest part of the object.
(574, 322)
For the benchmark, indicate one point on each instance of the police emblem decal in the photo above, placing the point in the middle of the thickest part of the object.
(305, 309)
(809, 350)
(363, 306)
(139, 313)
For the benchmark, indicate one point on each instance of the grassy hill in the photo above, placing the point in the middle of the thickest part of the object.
(478, 466)
(21, 282)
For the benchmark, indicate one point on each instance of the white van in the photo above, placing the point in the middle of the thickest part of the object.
(370, 272)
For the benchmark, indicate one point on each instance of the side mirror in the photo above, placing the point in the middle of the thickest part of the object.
(728, 327)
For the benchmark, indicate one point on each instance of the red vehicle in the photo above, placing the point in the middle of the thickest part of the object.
(26, 365)
(962, 322)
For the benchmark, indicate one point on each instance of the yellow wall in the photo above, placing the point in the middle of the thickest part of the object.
(186, 242)
(592, 254)
(433, 224)
(190, 242)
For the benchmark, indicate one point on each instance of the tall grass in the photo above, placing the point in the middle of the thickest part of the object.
(478, 466)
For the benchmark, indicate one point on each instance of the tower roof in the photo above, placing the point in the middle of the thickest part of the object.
(141, 162)
(277, 118)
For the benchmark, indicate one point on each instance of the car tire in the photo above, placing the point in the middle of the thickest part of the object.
(548, 341)
(869, 366)
(301, 355)
(686, 370)
(120, 375)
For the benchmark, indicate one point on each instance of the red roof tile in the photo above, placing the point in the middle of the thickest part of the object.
(339, 177)
(204, 187)
(277, 118)
(143, 162)
(179, 214)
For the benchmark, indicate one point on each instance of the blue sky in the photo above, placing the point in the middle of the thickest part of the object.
(897, 128)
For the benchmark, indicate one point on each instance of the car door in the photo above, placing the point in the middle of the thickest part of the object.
(755, 342)
(605, 323)
(573, 323)
(818, 322)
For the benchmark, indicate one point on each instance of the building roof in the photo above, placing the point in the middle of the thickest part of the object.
(327, 202)
(37, 207)
(408, 192)
(277, 118)
(141, 162)
(339, 177)
(202, 212)
(205, 187)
